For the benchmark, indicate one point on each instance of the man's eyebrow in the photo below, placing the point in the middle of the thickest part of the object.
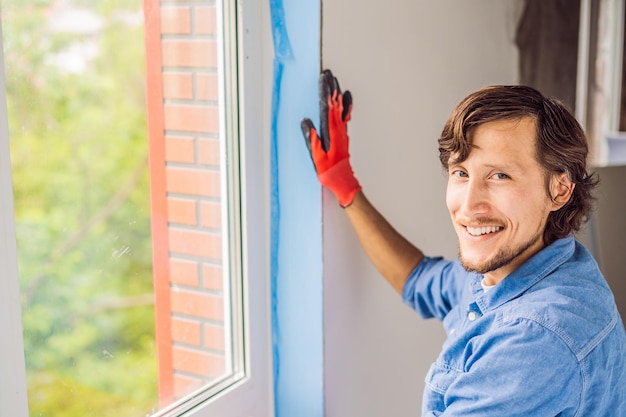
(513, 166)
(508, 167)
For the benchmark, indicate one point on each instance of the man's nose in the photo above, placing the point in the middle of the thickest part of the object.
(476, 198)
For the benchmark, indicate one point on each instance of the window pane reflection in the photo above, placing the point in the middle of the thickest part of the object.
(121, 318)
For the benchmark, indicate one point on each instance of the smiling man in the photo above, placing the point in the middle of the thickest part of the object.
(532, 327)
(496, 233)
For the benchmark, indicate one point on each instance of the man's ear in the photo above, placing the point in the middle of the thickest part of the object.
(561, 189)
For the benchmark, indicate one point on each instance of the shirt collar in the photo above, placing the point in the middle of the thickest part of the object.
(528, 274)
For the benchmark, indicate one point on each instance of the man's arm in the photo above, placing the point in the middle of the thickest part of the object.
(393, 255)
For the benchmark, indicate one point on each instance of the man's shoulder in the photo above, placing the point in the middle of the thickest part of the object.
(579, 314)
(579, 308)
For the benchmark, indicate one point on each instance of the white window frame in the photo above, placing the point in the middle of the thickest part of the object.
(252, 394)
(13, 398)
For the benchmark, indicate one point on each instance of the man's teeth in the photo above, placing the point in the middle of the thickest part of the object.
(477, 231)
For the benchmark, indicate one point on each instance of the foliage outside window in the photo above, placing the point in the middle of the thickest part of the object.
(75, 85)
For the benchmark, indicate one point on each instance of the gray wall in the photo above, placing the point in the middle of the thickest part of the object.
(609, 231)
(407, 63)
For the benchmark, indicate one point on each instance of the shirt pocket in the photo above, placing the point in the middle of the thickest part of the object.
(440, 377)
(438, 380)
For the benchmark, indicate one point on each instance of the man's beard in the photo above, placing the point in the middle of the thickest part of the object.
(504, 257)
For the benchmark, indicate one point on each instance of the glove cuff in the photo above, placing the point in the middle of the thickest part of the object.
(341, 181)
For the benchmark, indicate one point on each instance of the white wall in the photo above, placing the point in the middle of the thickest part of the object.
(407, 63)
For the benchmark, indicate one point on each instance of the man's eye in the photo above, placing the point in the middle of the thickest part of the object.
(501, 176)
(459, 173)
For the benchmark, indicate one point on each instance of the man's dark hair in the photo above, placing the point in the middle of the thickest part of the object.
(561, 145)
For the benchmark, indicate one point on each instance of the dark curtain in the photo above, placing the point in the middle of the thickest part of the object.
(547, 38)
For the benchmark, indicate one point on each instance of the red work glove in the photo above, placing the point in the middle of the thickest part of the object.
(330, 151)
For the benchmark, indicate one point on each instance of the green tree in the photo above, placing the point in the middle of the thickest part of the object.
(79, 159)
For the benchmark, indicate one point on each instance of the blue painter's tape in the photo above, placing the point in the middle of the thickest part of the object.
(297, 328)
(282, 46)
(275, 220)
(282, 51)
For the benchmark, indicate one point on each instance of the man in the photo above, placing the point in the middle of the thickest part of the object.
(532, 327)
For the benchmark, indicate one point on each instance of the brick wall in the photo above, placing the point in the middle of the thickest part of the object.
(181, 67)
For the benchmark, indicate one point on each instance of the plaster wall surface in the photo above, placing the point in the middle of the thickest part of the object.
(407, 64)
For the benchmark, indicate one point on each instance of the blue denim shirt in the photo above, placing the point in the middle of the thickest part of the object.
(546, 341)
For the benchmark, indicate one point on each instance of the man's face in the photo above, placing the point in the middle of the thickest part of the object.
(498, 200)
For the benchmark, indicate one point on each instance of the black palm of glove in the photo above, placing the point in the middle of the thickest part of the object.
(330, 151)
(328, 85)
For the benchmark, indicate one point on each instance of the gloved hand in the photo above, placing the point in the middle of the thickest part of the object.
(330, 151)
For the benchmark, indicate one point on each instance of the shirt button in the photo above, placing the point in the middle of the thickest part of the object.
(471, 315)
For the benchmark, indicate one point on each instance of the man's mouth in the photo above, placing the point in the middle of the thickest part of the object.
(483, 230)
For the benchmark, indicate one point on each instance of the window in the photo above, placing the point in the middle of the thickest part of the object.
(600, 92)
(133, 301)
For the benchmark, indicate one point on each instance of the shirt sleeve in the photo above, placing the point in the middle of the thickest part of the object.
(521, 369)
(434, 287)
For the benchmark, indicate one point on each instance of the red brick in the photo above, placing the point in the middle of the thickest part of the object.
(181, 211)
(214, 337)
(186, 331)
(189, 53)
(205, 21)
(207, 87)
(197, 304)
(195, 243)
(184, 385)
(191, 118)
(178, 85)
(180, 150)
(175, 20)
(209, 152)
(211, 215)
(184, 272)
(192, 182)
(213, 277)
(199, 363)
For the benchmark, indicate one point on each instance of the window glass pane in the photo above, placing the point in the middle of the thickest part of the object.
(125, 212)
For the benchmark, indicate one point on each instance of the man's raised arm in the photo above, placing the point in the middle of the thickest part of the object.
(393, 255)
